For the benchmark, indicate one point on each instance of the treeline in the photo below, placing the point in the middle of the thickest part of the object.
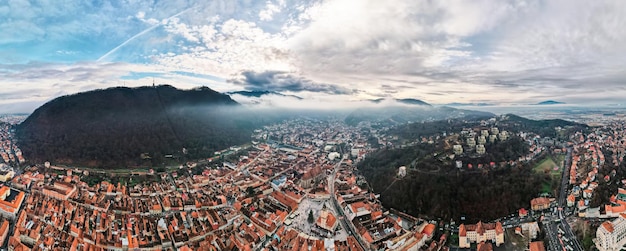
(544, 128)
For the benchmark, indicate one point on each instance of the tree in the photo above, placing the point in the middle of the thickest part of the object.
(311, 219)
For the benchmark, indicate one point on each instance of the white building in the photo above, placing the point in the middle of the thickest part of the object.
(480, 149)
(458, 149)
(492, 138)
(482, 140)
(532, 228)
(503, 135)
(459, 164)
(611, 235)
(484, 133)
(471, 142)
(402, 171)
(333, 155)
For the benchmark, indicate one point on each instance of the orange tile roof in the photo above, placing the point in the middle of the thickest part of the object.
(537, 246)
(429, 229)
(608, 226)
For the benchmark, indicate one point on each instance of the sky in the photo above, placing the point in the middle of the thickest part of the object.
(498, 52)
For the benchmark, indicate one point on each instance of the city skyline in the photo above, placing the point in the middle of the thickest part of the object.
(499, 52)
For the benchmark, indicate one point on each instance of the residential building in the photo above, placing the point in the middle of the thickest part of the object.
(480, 149)
(611, 235)
(9, 208)
(471, 142)
(540, 203)
(481, 232)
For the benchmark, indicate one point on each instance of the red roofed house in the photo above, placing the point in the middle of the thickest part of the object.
(481, 232)
(522, 212)
(571, 200)
(327, 221)
(540, 203)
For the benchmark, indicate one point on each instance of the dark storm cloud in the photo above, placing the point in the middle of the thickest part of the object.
(283, 81)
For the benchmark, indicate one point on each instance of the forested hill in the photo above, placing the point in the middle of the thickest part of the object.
(545, 128)
(121, 127)
(435, 187)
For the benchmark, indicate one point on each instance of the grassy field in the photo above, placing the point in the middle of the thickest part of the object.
(548, 166)
(552, 168)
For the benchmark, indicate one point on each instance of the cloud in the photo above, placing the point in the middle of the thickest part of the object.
(283, 81)
(271, 9)
(509, 51)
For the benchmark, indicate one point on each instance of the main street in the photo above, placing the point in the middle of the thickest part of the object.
(347, 225)
(567, 238)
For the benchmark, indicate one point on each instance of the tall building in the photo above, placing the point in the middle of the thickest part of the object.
(471, 142)
(481, 232)
(480, 149)
(611, 235)
(458, 149)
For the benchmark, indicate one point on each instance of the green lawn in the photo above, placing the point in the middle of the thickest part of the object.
(547, 166)
(550, 167)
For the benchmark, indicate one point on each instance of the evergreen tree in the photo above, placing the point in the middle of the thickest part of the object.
(311, 219)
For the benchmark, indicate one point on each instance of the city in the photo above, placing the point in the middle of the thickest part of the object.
(219, 125)
(295, 186)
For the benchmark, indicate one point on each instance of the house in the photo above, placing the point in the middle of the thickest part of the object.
(522, 212)
(571, 200)
(540, 203)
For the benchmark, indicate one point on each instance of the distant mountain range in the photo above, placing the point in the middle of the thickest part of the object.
(415, 111)
(407, 101)
(550, 102)
(258, 94)
(412, 101)
(469, 104)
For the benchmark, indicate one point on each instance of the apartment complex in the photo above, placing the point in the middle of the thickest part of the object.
(611, 235)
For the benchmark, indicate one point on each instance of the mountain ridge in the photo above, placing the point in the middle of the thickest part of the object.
(550, 102)
(113, 127)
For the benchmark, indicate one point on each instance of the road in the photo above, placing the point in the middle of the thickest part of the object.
(345, 224)
(567, 235)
